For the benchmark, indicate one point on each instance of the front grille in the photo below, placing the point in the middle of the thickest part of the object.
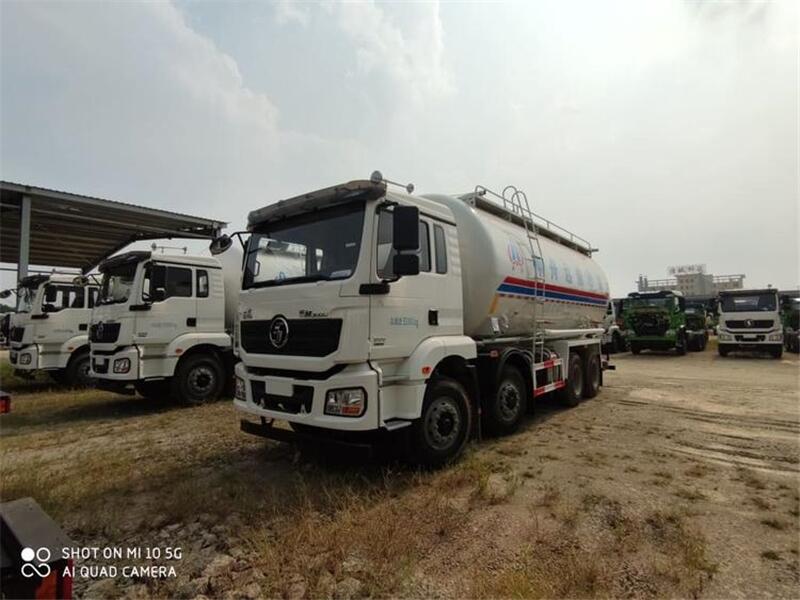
(650, 325)
(753, 324)
(16, 334)
(756, 338)
(104, 333)
(307, 337)
(301, 399)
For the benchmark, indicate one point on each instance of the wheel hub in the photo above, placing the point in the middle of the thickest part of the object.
(443, 423)
(201, 380)
(508, 401)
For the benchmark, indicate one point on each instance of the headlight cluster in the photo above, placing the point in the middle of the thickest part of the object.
(724, 337)
(775, 337)
(25, 359)
(350, 402)
(122, 365)
(239, 390)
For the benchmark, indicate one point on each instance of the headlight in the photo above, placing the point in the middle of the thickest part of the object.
(239, 390)
(24, 359)
(725, 337)
(122, 365)
(349, 402)
(775, 337)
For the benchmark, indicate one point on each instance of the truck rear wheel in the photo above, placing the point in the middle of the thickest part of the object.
(198, 379)
(78, 371)
(440, 434)
(509, 405)
(572, 392)
(591, 382)
(681, 343)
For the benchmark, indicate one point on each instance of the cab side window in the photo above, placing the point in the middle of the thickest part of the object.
(386, 253)
(59, 297)
(440, 244)
(175, 281)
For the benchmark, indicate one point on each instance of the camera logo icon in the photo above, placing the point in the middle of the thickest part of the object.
(40, 568)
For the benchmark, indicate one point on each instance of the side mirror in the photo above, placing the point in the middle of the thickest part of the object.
(405, 229)
(5, 294)
(405, 264)
(220, 245)
(159, 295)
(50, 294)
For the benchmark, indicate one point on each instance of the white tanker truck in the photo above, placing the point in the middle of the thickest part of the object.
(430, 316)
(163, 325)
(49, 331)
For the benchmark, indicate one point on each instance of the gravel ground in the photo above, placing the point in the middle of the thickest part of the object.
(680, 479)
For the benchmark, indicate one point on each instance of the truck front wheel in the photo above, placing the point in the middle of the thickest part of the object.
(441, 433)
(572, 392)
(723, 351)
(635, 348)
(198, 379)
(776, 351)
(681, 343)
(78, 371)
(509, 404)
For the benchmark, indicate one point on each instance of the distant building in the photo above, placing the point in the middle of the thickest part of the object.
(692, 280)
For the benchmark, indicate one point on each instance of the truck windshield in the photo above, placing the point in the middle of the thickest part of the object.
(754, 303)
(666, 302)
(117, 284)
(25, 298)
(323, 245)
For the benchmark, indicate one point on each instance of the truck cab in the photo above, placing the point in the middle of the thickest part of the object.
(160, 327)
(696, 326)
(49, 331)
(656, 321)
(613, 331)
(750, 320)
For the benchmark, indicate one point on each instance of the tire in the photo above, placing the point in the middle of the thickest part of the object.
(199, 379)
(635, 349)
(78, 371)
(509, 404)
(776, 352)
(618, 345)
(591, 380)
(723, 351)
(438, 437)
(153, 390)
(680, 345)
(572, 392)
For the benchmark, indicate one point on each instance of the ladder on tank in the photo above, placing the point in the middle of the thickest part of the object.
(516, 201)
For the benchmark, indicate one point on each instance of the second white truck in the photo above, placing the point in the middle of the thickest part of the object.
(750, 320)
(49, 331)
(163, 325)
(429, 317)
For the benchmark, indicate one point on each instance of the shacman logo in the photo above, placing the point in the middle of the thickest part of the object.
(29, 568)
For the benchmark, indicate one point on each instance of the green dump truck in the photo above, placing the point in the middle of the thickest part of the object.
(656, 321)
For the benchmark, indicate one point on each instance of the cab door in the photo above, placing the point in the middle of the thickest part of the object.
(417, 306)
(168, 290)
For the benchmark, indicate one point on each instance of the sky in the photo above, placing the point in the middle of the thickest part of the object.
(666, 133)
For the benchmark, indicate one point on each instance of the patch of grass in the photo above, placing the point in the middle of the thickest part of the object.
(549, 497)
(770, 555)
(760, 503)
(698, 470)
(663, 474)
(750, 479)
(774, 523)
(692, 495)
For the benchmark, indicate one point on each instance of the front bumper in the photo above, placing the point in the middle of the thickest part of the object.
(102, 365)
(24, 358)
(754, 339)
(302, 401)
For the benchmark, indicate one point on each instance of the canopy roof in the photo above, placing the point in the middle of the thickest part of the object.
(70, 230)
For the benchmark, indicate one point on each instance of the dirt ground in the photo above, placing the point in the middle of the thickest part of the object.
(681, 479)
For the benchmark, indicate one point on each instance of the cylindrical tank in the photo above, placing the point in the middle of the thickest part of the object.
(499, 282)
(229, 256)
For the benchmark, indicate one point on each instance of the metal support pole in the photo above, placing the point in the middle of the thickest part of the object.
(24, 237)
